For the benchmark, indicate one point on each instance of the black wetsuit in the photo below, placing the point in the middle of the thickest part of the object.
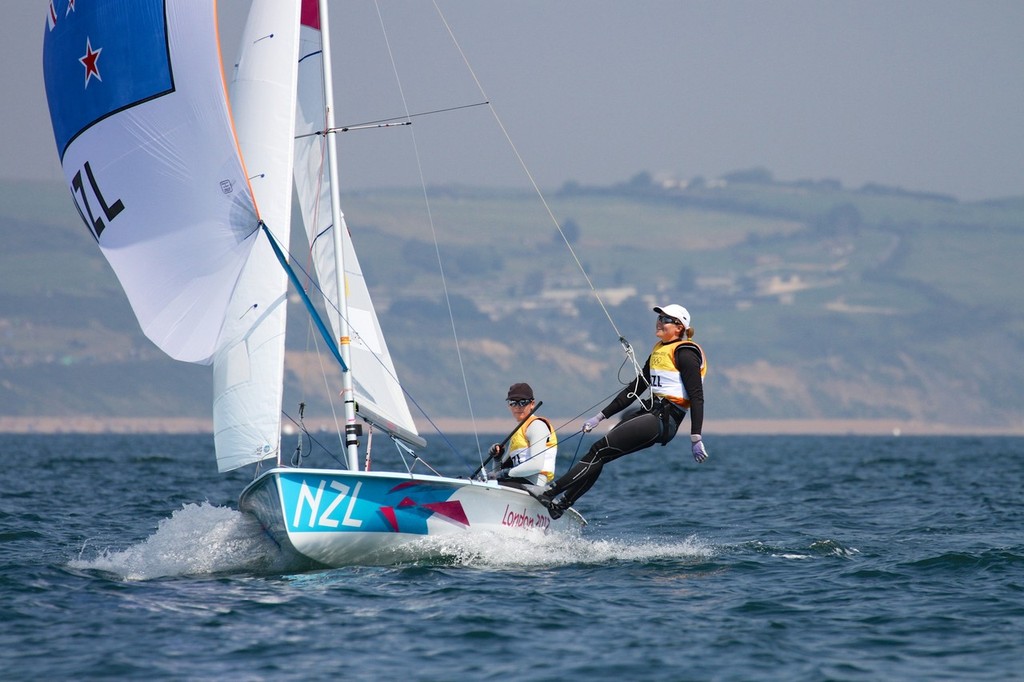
(655, 423)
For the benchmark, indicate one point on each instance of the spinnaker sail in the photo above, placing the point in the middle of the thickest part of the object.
(143, 127)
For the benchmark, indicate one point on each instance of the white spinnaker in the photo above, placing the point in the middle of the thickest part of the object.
(376, 385)
(249, 368)
(188, 220)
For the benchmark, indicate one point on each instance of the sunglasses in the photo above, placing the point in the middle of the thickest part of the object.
(665, 319)
(519, 403)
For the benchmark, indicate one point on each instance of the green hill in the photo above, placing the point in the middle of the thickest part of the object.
(812, 301)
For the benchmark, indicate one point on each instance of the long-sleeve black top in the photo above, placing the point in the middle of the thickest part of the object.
(688, 361)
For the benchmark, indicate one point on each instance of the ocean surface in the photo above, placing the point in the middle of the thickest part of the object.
(781, 558)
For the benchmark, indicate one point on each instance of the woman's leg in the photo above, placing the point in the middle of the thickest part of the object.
(637, 433)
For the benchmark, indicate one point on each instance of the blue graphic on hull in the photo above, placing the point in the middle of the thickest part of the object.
(317, 503)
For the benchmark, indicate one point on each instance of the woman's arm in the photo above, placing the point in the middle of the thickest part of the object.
(688, 362)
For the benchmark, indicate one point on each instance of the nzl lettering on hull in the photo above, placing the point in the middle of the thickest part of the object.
(346, 504)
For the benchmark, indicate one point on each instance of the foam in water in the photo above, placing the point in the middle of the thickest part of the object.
(195, 540)
(204, 539)
(487, 550)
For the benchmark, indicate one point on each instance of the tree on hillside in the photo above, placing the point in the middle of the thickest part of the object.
(641, 180)
(840, 219)
(750, 175)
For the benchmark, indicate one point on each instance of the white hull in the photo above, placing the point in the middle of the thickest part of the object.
(338, 518)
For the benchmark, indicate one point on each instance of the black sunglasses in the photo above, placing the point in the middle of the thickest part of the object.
(519, 403)
(665, 319)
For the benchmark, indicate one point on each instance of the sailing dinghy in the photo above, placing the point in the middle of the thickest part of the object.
(186, 182)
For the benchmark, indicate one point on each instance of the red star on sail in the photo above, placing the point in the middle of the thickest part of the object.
(89, 60)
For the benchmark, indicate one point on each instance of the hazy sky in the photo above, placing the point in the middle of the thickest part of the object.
(923, 94)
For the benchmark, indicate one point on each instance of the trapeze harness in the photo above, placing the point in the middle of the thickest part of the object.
(519, 448)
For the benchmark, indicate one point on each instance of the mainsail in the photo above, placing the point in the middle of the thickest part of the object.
(375, 384)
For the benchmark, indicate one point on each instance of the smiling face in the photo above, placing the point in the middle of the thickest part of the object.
(668, 328)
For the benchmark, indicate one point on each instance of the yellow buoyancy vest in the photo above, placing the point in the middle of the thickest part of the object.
(519, 447)
(665, 380)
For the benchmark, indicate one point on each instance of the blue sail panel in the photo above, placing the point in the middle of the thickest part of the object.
(96, 63)
(142, 122)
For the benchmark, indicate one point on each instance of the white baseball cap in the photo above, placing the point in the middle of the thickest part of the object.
(675, 310)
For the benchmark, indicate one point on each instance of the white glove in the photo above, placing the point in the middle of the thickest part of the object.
(699, 453)
(589, 425)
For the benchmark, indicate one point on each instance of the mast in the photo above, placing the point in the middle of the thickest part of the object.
(338, 223)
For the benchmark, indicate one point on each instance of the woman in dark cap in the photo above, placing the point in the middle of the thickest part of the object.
(675, 374)
(532, 448)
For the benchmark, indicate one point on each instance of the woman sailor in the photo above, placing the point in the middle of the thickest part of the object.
(675, 374)
(532, 448)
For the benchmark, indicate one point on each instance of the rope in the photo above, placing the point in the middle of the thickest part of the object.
(437, 249)
(526, 170)
(387, 122)
(578, 432)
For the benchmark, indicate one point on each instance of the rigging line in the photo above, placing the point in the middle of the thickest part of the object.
(314, 315)
(640, 383)
(314, 283)
(380, 122)
(421, 113)
(603, 401)
(312, 439)
(355, 333)
(529, 175)
(578, 432)
(345, 129)
(433, 231)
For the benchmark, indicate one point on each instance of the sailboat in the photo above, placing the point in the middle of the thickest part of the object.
(184, 177)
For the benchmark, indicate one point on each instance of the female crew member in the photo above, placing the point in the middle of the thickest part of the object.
(532, 448)
(675, 373)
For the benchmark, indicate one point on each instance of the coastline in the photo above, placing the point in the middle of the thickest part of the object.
(718, 427)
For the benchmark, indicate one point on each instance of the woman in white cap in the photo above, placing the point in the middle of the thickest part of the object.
(675, 374)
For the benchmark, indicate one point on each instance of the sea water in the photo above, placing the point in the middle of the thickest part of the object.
(780, 558)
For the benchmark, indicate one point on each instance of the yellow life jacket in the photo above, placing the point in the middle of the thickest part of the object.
(665, 380)
(519, 447)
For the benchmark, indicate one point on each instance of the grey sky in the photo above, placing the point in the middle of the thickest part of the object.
(923, 94)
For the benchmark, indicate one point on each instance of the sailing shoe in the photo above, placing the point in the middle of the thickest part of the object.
(555, 509)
